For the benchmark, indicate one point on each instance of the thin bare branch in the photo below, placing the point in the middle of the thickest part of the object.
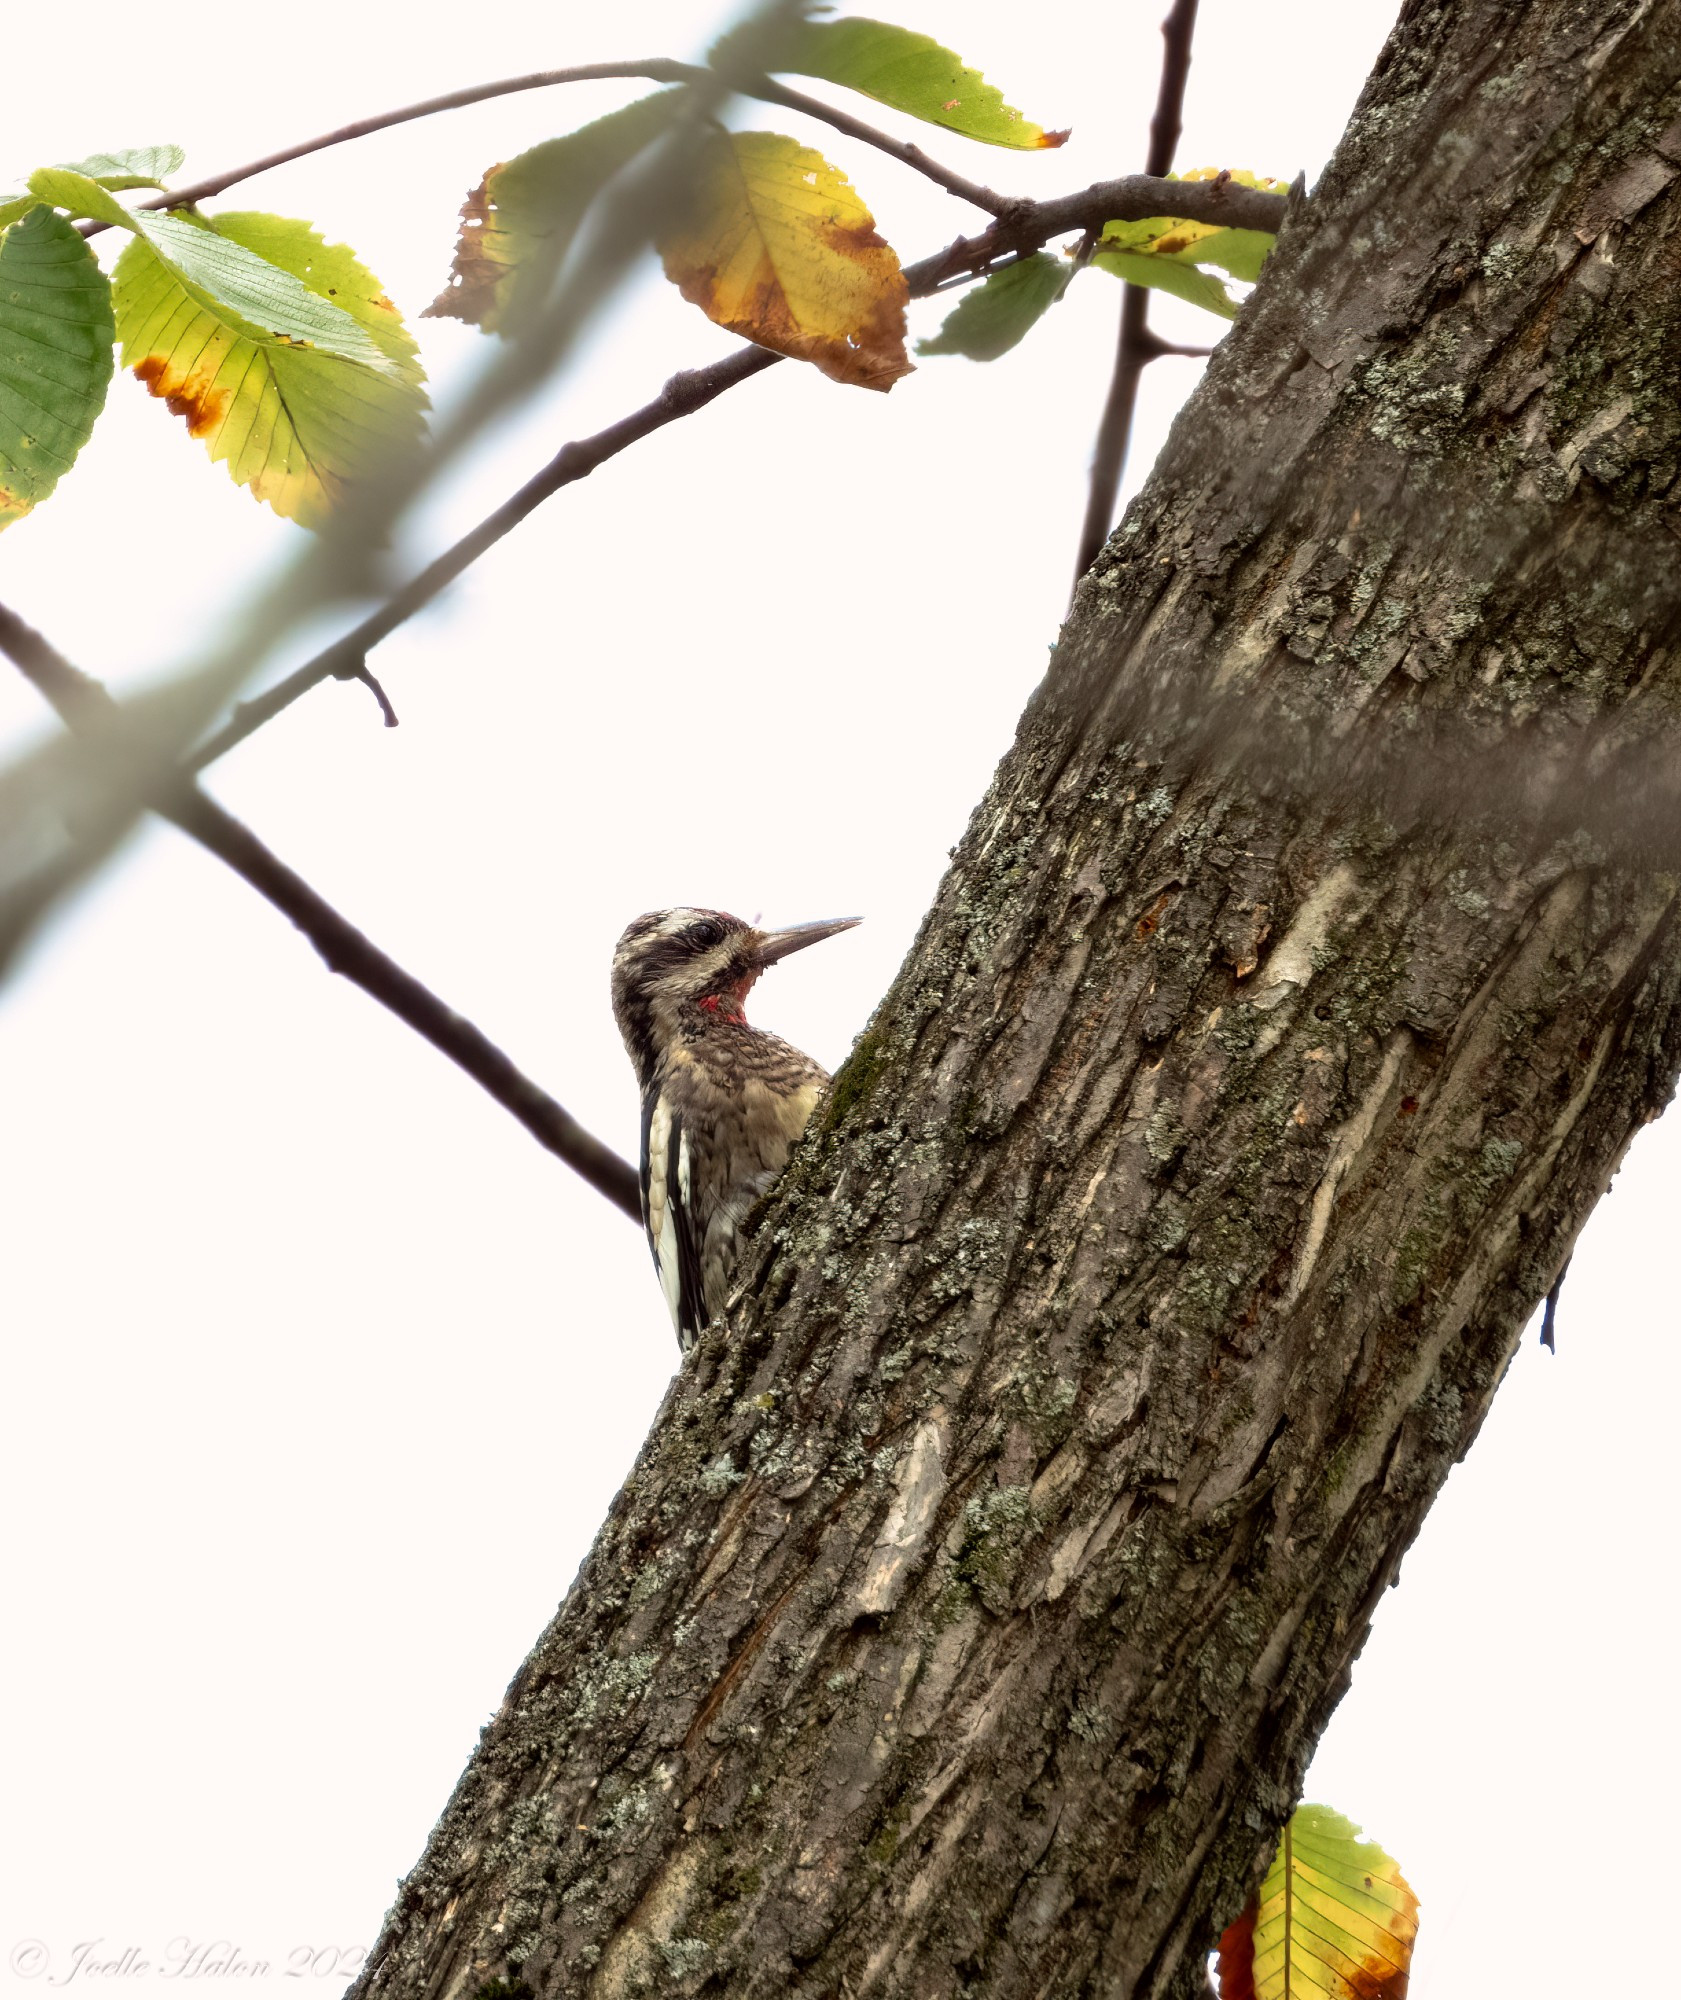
(85, 706)
(353, 955)
(1135, 347)
(1167, 121)
(1114, 428)
(655, 69)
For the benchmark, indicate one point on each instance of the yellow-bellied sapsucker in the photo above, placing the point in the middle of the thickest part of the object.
(722, 1103)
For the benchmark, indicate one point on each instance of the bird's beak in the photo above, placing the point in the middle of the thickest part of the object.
(777, 944)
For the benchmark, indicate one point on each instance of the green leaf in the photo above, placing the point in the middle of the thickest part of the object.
(1184, 281)
(995, 316)
(519, 222)
(135, 167)
(74, 192)
(908, 71)
(297, 425)
(55, 355)
(269, 303)
(14, 206)
(1335, 1918)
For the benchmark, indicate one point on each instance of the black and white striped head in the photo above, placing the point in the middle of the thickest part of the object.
(675, 963)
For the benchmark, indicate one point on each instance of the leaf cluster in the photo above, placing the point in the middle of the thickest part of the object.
(279, 350)
(282, 353)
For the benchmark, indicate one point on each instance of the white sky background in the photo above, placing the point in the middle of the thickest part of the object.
(321, 1374)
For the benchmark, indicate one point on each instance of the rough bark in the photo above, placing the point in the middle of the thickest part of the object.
(972, 1610)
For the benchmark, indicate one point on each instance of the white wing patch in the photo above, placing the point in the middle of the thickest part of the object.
(662, 1224)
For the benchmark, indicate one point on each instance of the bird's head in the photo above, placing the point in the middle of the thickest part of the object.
(673, 963)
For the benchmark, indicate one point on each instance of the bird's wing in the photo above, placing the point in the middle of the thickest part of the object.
(668, 1214)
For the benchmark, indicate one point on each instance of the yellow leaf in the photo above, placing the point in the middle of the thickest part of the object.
(776, 246)
(1335, 1920)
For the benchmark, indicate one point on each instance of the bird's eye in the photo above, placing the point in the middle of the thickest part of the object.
(705, 934)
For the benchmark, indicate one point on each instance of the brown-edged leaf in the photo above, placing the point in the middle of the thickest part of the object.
(776, 246)
(1335, 1920)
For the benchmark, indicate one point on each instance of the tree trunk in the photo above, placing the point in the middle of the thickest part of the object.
(971, 1613)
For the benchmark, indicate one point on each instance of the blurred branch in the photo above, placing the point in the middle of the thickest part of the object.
(1023, 226)
(86, 707)
(1134, 346)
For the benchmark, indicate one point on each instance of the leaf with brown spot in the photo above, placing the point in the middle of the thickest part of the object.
(1335, 1918)
(295, 425)
(55, 355)
(777, 247)
(519, 222)
(895, 66)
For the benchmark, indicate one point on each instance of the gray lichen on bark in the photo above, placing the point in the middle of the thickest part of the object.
(970, 1614)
